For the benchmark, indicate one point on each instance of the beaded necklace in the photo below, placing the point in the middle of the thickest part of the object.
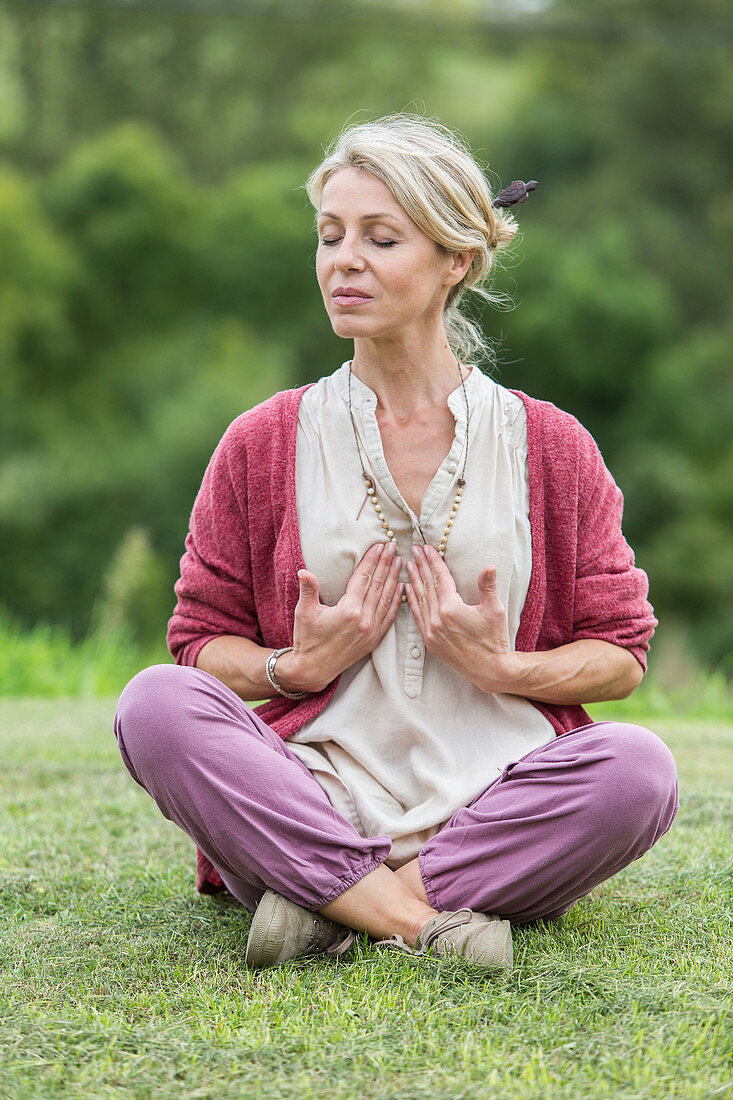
(372, 491)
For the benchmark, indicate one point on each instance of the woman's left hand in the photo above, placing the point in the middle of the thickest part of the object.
(473, 638)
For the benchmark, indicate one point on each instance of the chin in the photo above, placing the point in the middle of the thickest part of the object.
(348, 329)
(351, 328)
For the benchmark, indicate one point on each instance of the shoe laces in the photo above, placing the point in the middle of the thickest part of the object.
(331, 938)
(436, 926)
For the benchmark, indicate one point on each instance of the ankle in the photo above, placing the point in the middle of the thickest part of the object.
(415, 924)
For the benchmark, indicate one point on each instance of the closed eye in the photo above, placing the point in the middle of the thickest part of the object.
(379, 244)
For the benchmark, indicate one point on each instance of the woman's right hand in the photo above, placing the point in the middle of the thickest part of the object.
(328, 640)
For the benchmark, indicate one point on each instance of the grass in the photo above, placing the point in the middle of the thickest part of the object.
(119, 981)
(42, 660)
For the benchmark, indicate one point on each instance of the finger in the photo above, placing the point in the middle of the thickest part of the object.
(417, 586)
(391, 585)
(415, 608)
(361, 578)
(428, 596)
(380, 597)
(393, 608)
(309, 591)
(488, 592)
(380, 580)
(445, 586)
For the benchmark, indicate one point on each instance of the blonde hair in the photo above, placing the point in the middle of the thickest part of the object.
(436, 180)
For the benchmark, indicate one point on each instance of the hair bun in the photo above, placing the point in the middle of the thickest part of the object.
(516, 191)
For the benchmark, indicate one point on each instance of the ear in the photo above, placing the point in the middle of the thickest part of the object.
(459, 265)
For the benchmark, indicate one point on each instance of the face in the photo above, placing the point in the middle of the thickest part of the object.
(379, 274)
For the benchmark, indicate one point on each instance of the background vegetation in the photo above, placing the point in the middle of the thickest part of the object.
(157, 270)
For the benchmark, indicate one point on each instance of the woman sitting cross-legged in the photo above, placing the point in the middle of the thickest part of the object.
(424, 574)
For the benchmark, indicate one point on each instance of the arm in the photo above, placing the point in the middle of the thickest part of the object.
(585, 671)
(240, 664)
(215, 625)
(214, 590)
(598, 647)
(474, 640)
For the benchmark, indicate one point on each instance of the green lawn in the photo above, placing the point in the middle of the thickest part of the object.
(118, 980)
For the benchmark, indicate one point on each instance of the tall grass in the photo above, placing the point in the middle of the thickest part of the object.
(705, 694)
(45, 662)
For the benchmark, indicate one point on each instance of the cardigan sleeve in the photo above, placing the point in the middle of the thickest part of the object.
(215, 595)
(610, 590)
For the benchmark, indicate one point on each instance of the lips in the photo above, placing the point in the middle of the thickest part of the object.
(347, 295)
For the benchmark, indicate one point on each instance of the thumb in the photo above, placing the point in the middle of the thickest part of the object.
(487, 588)
(308, 586)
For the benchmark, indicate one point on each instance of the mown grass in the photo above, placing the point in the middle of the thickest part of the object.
(118, 980)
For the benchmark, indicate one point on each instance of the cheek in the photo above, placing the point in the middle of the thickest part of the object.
(321, 267)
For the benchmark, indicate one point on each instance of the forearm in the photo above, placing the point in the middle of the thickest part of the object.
(586, 671)
(240, 664)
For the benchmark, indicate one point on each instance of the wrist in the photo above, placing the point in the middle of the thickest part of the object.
(293, 675)
(273, 677)
(501, 673)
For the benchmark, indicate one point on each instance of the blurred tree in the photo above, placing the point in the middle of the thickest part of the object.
(158, 253)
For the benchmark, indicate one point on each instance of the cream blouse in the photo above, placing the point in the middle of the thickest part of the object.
(406, 740)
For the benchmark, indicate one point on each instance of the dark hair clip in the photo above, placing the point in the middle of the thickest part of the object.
(515, 192)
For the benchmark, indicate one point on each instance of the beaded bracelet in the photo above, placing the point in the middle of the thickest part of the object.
(270, 673)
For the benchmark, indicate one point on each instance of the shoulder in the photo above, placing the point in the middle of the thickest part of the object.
(558, 437)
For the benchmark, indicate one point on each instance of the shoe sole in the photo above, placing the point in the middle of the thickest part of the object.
(267, 933)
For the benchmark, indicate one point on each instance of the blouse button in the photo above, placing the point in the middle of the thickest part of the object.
(416, 652)
(452, 467)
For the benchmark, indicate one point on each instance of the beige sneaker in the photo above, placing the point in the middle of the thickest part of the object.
(281, 930)
(483, 940)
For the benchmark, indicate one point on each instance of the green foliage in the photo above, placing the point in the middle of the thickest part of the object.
(158, 258)
(45, 662)
(151, 370)
(134, 598)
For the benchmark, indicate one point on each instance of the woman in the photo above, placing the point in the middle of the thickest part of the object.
(425, 575)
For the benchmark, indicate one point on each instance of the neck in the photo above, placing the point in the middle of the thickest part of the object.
(406, 381)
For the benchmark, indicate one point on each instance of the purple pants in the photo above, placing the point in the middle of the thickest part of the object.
(550, 828)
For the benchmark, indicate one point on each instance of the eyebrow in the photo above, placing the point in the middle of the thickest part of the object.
(365, 218)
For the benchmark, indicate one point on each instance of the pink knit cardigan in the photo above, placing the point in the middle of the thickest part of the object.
(243, 553)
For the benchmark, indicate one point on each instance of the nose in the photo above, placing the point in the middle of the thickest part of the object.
(348, 255)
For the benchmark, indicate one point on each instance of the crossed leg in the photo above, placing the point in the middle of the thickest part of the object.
(555, 823)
